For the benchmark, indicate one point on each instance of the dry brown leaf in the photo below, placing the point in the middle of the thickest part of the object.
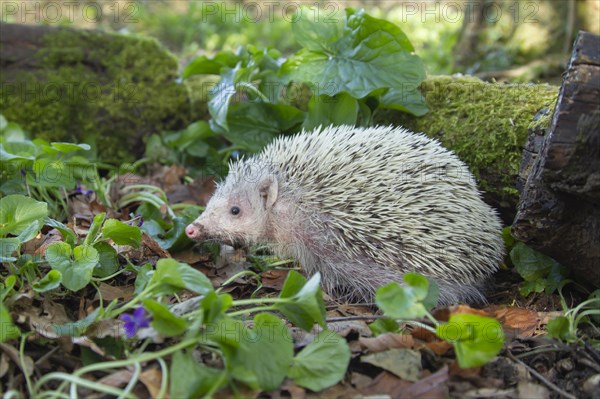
(110, 292)
(439, 347)
(13, 354)
(387, 341)
(152, 379)
(386, 383)
(471, 372)
(346, 327)
(517, 321)
(117, 379)
(151, 244)
(274, 279)
(404, 363)
(433, 386)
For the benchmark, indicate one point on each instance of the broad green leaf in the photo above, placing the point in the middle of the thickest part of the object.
(222, 93)
(212, 66)
(8, 247)
(50, 281)
(384, 325)
(107, 261)
(214, 306)
(190, 379)
(370, 54)
(315, 34)
(163, 321)
(323, 110)
(405, 99)
(539, 270)
(253, 125)
(404, 302)
(17, 212)
(307, 306)
(76, 266)
(8, 330)
(52, 173)
(17, 151)
(476, 339)
(559, 328)
(69, 147)
(322, 363)
(144, 275)
(172, 239)
(242, 348)
(172, 276)
(122, 233)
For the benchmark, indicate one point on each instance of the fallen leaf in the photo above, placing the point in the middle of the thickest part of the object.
(433, 386)
(387, 341)
(405, 363)
(152, 380)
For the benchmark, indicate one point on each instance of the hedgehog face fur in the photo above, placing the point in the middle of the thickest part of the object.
(238, 211)
(362, 206)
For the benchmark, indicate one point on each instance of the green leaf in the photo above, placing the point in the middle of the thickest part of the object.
(122, 233)
(144, 275)
(172, 276)
(322, 363)
(8, 247)
(107, 261)
(95, 228)
(476, 339)
(245, 349)
(204, 65)
(314, 34)
(17, 212)
(214, 306)
(307, 306)
(370, 54)
(7, 287)
(539, 270)
(384, 325)
(253, 125)
(559, 328)
(405, 302)
(407, 99)
(50, 281)
(76, 266)
(163, 321)
(190, 379)
(8, 330)
(173, 239)
(323, 110)
(69, 147)
(68, 234)
(17, 151)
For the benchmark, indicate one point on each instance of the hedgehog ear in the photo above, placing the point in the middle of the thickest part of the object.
(268, 189)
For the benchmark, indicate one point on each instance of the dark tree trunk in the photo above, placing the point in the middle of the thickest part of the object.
(559, 210)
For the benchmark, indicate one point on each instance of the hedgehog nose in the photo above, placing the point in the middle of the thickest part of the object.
(193, 231)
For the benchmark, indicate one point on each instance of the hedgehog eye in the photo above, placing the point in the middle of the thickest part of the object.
(235, 210)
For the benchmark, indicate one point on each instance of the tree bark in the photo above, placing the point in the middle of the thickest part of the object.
(559, 209)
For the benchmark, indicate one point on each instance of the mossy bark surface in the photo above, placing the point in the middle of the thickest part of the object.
(64, 84)
(485, 124)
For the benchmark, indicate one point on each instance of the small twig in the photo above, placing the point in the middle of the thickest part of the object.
(348, 318)
(540, 377)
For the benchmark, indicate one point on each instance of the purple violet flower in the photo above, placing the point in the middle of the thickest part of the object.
(134, 322)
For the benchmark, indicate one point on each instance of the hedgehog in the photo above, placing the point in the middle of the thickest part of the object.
(361, 206)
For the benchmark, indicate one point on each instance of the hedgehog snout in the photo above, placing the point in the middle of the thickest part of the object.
(194, 231)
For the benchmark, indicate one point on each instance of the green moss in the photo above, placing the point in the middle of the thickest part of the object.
(484, 123)
(95, 87)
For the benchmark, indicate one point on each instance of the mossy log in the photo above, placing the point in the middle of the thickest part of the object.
(88, 86)
(559, 210)
(486, 124)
